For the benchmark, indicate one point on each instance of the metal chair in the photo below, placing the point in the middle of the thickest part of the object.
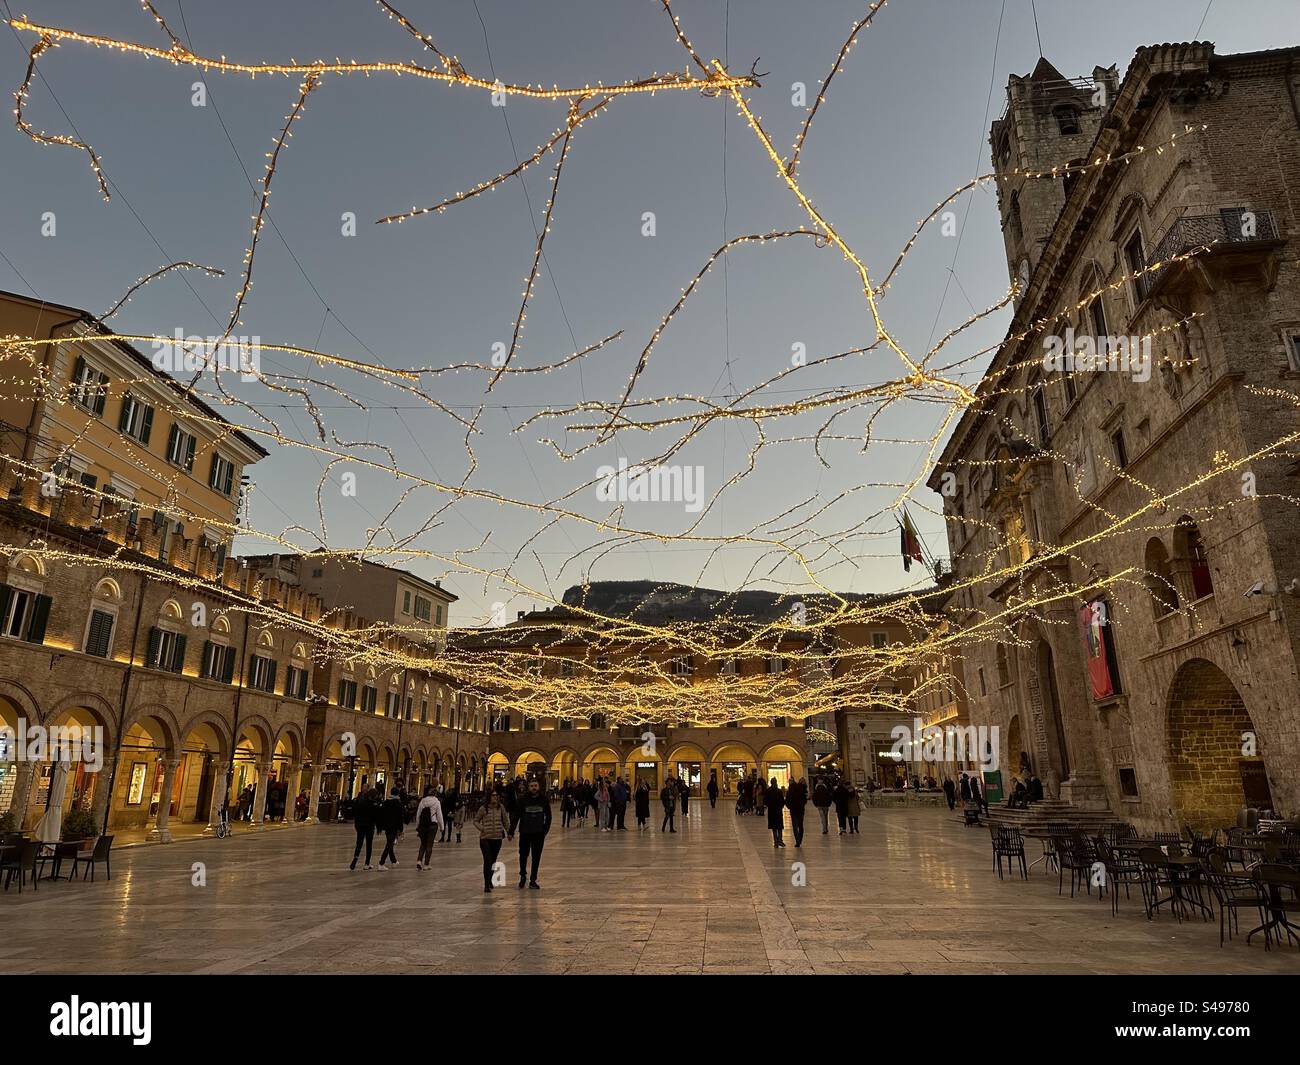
(101, 853)
(22, 861)
(1008, 843)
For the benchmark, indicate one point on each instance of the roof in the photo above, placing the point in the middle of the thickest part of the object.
(107, 334)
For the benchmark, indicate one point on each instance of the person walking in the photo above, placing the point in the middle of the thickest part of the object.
(684, 790)
(965, 789)
(774, 801)
(619, 799)
(853, 809)
(450, 802)
(642, 805)
(428, 819)
(602, 806)
(364, 812)
(950, 792)
(566, 805)
(668, 796)
(493, 823)
(712, 789)
(796, 801)
(977, 796)
(533, 823)
(821, 800)
(840, 797)
(390, 820)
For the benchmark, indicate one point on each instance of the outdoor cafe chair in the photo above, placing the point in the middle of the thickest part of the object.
(1008, 843)
(1121, 870)
(22, 860)
(1232, 891)
(103, 847)
(1274, 880)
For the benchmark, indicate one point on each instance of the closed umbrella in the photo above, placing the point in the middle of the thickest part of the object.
(50, 826)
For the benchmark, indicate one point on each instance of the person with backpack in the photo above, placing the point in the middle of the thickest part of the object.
(391, 818)
(364, 814)
(428, 819)
(534, 821)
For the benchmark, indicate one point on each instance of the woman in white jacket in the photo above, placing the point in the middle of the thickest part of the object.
(428, 822)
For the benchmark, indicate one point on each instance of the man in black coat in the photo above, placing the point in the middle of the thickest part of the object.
(840, 796)
(392, 815)
(364, 812)
(950, 792)
(533, 821)
(796, 799)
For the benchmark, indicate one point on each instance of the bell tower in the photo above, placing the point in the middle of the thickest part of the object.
(1050, 121)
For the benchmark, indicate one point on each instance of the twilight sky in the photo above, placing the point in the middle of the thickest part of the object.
(905, 123)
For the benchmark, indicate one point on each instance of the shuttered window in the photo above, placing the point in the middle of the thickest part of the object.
(99, 637)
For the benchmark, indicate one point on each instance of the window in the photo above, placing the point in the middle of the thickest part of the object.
(99, 634)
(218, 662)
(683, 666)
(530, 724)
(1128, 782)
(1135, 258)
(1067, 120)
(598, 721)
(24, 614)
(423, 608)
(1017, 231)
(393, 704)
(221, 477)
(369, 699)
(424, 709)
(879, 640)
(1040, 415)
(261, 673)
(1004, 669)
(1291, 340)
(1097, 322)
(983, 687)
(1119, 448)
(295, 683)
(166, 650)
(568, 667)
(406, 602)
(348, 694)
(730, 666)
(437, 614)
(1159, 578)
(1192, 549)
(136, 419)
(565, 724)
(437, 712)
(775, 664)
(89, 387)
(180, 449)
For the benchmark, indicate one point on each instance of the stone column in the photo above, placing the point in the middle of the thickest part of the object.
(291, 793)
(259, 796)
(220, 783)
(160, 833)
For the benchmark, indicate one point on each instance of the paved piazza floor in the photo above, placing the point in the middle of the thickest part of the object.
(914, 893)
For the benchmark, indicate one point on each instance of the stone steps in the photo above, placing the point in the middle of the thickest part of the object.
(1051, 812)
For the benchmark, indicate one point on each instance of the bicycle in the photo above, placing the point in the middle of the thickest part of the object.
(223, 823)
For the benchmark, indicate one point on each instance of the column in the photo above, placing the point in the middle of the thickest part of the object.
(259, 796)
(220, 783)
(25, 773)
(291, 794)
(160, 833)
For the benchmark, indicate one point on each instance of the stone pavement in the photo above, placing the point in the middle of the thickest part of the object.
(914, 893)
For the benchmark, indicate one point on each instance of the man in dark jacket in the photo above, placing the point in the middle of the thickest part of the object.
(840, 796)
(392, 816)
(821, 799)
(449, 803)
(950, 792)
(774, 802)
(533, 821)
(364, 811)
(796, 799)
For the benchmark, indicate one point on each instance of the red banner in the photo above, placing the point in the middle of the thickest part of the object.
(1095, 622)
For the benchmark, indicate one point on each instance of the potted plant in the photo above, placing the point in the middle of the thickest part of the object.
(79, 825)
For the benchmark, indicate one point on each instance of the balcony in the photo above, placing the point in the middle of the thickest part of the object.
(1239, 232)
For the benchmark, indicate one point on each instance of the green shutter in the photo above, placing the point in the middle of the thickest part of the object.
(208, 664)
(171, 441)
(101, 394)
(6, 594)
(40, 617)
(146, 425)
(77, 368)
(151, 655)
(178, 655)
(270, 680)
(189, 455)
(100, 638)
(230, 479)
(123, 419)
(228, 670)
(212, 472)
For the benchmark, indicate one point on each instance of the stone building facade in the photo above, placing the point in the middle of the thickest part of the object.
(1141, 525)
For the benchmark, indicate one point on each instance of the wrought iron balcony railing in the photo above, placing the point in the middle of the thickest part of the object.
(1228, 225)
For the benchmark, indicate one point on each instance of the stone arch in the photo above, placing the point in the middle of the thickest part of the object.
(256, 728)
(21, 699)
(98, 706)
(170, 737)
(565, 763)
(1208, 731)
(291, 738)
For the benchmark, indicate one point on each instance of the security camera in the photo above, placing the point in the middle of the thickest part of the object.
(1255, 589)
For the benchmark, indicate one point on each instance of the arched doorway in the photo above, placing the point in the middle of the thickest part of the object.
(1058, 751)
(1215, 760)
(687, 762)
(531, 764)
(784, 762)
(80, 783)
(733, 762)
(601, 761)
(498, 767)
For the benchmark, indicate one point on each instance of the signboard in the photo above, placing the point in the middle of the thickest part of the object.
(992, 786)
